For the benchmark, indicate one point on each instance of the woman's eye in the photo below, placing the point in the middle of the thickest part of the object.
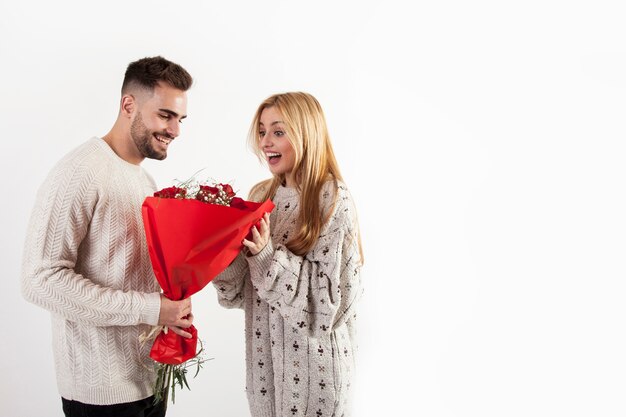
(262, 133)
(279, 133)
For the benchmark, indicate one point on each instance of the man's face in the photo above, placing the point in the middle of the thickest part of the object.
(157, 120)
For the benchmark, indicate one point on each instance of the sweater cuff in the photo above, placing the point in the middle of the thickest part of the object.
(260, 264)
(150, 313)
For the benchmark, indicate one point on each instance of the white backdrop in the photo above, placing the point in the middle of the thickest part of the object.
(484, 145)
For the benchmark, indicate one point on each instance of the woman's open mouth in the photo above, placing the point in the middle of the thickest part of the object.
(273, 157)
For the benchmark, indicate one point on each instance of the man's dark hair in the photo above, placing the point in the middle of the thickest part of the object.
(147, 72)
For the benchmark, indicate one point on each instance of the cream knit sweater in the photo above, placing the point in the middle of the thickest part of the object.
(299, 312)
(86, 261)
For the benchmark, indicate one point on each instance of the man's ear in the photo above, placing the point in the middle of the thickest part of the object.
(128, 105)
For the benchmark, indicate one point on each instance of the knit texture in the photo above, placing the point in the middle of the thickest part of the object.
(86, 261)
(299, 312)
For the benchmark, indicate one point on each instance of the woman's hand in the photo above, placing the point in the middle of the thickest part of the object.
(259, 237)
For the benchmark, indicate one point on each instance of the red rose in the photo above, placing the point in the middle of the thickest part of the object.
(208, 189)
(220, 194)
(207, 194)
(239, 203)
(171, 192)
(228, 190)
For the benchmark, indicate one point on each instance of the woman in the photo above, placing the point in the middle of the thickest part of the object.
(298, 278)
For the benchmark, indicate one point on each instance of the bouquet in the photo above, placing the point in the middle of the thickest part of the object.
(194, 231)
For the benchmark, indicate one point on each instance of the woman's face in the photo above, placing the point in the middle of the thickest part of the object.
(274, 143)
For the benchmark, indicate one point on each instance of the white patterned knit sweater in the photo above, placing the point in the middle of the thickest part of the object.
(86, 261)
(299, 312)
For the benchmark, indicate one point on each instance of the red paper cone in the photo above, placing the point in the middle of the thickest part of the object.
(190, 243)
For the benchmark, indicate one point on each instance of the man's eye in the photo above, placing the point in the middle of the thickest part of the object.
(164, 116)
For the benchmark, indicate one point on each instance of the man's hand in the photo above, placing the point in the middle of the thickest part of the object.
(176, 315)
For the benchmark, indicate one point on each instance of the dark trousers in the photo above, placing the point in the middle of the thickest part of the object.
(141, 408)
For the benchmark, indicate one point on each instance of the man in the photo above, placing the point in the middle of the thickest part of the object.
(86, 259)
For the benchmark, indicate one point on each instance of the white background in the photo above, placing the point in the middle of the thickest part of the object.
(483, 142)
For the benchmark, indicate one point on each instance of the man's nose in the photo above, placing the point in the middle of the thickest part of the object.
(173, 128)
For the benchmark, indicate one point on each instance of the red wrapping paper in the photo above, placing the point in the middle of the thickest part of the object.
(191, 242)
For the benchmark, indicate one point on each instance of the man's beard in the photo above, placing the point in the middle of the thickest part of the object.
(143, 139)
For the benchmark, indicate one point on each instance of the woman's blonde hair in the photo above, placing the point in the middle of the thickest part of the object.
(314, 165)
